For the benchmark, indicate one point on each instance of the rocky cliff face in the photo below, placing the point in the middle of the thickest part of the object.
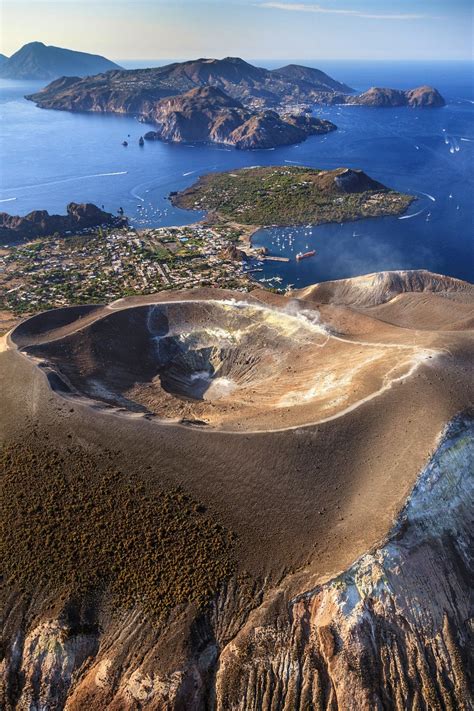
(391, 632)
(40, 223)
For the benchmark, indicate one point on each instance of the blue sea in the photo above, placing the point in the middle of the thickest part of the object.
(50, 158)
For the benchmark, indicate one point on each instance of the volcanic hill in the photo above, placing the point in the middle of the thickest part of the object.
(229, 500)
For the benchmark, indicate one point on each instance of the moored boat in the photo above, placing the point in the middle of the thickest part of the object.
(305, 255)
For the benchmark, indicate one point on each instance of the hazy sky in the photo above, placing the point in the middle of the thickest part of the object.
(280, 29)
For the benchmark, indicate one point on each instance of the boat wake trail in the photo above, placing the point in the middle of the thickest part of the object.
(433, 199)
(69, 180)
(7, 199)
(414, 214)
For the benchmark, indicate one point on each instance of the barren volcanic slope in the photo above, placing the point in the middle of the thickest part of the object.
(185, 476)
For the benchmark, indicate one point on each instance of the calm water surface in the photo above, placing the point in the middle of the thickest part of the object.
(49, 158)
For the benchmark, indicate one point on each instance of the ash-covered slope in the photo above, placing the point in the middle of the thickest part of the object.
(37, 61)
(156, 563)
(371, 290)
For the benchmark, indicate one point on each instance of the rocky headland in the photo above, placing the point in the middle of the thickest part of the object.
(295, 542)
(40, 223)
(207, 114)
(421, 97)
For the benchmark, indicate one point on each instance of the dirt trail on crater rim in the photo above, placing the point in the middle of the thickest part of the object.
(300, 422)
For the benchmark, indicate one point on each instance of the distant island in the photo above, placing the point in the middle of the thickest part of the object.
(137, 91)
(290, 195)
(39, 223)
(421, 97)
(36, 61)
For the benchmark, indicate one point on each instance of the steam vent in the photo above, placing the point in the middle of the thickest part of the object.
(228, 500)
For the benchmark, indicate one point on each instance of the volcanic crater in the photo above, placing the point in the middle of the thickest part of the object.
(222, 363)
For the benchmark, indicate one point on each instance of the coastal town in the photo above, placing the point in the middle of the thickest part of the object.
(103, 264)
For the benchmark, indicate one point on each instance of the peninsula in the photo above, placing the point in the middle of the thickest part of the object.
(207, 114)
(291, 195)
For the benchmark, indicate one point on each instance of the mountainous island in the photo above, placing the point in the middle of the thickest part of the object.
(225, 101)
(291, 195)
(39, 222)
(137, 90)
(37, 61)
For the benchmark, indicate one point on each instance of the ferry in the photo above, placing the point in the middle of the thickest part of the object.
(304, 255)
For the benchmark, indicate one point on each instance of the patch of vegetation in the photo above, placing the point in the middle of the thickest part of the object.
(290, 196)
(74, 524)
